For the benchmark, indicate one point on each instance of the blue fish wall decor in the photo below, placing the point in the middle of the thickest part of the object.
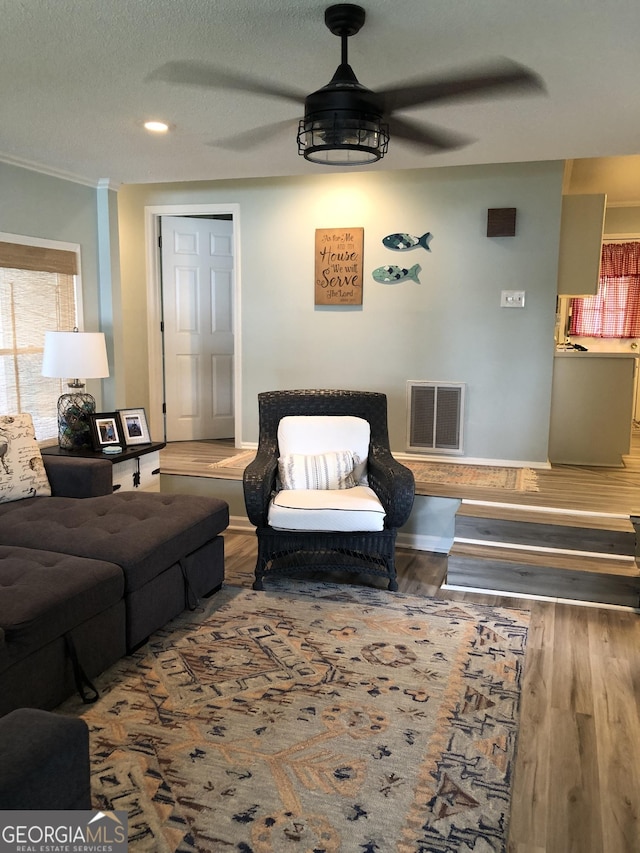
(402, 242)
(394, 275)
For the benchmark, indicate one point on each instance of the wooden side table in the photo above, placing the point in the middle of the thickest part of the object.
(137, 467)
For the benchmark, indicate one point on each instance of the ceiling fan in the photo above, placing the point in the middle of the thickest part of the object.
(346, 124)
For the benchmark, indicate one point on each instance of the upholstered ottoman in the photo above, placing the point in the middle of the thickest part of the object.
(169, 547)
(61, 619)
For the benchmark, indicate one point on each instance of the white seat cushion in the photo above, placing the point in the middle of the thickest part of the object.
(315, 434)
(327, 510)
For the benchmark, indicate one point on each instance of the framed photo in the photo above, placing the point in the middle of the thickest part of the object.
(106, 430)
(134, 426)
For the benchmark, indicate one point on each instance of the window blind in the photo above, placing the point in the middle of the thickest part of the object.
(23, 257)
(32, 302)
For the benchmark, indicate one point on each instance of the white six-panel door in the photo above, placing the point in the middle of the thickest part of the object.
(197, 305)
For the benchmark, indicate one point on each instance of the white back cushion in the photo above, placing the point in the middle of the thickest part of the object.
(313, 434)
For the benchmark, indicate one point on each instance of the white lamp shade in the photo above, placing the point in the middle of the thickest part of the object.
(75, 354)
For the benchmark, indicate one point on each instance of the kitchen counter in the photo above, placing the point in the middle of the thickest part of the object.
(592, 407)
(574, 353)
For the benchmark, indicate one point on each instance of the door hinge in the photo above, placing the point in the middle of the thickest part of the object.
(162, 326)
(164, 408)
(159, 241)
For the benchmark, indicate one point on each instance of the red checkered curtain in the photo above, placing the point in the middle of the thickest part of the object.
(614, 312)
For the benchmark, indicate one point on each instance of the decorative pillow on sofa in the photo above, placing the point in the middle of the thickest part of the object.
(323, 471)
(22, 473)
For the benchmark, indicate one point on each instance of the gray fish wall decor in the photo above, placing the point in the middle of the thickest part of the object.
(394, 275)
(402, 242)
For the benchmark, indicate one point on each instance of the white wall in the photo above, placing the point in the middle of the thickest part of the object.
(448, 328)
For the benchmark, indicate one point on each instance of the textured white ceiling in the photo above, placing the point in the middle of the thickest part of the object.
(75, 87)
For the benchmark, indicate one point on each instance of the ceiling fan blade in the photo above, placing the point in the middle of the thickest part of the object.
(209, 76)
(250, 138)
(425, 136)
(490, 80)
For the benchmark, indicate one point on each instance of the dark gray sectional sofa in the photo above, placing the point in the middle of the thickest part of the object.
(87, 574)
(45, 762)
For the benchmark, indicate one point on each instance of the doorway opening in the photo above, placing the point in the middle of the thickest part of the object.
(193, 288)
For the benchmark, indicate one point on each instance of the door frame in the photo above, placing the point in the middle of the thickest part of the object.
(152, 215)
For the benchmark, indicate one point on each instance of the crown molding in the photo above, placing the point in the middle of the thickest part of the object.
(108, 184)
(47, 170)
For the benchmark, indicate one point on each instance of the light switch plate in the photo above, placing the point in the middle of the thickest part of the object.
(512, 299)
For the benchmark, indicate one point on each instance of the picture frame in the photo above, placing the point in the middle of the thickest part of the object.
(106, 430)
(134, 426)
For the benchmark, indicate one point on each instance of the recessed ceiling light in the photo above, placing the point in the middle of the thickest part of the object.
(156, 126)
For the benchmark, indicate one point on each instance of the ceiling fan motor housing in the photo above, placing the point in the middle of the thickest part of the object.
(343, 117)
(344, 94)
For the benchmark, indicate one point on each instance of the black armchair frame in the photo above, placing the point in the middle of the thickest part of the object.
(286, 552)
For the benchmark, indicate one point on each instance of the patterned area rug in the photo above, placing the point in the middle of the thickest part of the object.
(482, 476)
(314, 718)
(442, 473)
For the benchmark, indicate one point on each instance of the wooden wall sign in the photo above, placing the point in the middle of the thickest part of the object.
(339, 266)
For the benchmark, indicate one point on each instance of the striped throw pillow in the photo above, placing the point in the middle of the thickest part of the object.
(324, 471)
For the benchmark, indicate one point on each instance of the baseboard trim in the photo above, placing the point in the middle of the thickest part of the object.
(419, 542)
(240, 524)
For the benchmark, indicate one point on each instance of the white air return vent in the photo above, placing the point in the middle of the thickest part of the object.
(435, 412)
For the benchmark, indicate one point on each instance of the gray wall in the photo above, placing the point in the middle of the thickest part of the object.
(449, 328)
(36, 205)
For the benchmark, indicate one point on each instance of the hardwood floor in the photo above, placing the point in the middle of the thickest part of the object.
(577, 777)
(570, 487)
(557, 542)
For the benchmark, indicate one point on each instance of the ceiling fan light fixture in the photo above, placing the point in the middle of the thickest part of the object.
(156, 126)
(339, 140)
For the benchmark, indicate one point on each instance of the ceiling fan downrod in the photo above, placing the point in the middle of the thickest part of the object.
(344, 20)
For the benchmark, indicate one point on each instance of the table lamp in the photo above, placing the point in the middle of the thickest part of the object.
(69, 354)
